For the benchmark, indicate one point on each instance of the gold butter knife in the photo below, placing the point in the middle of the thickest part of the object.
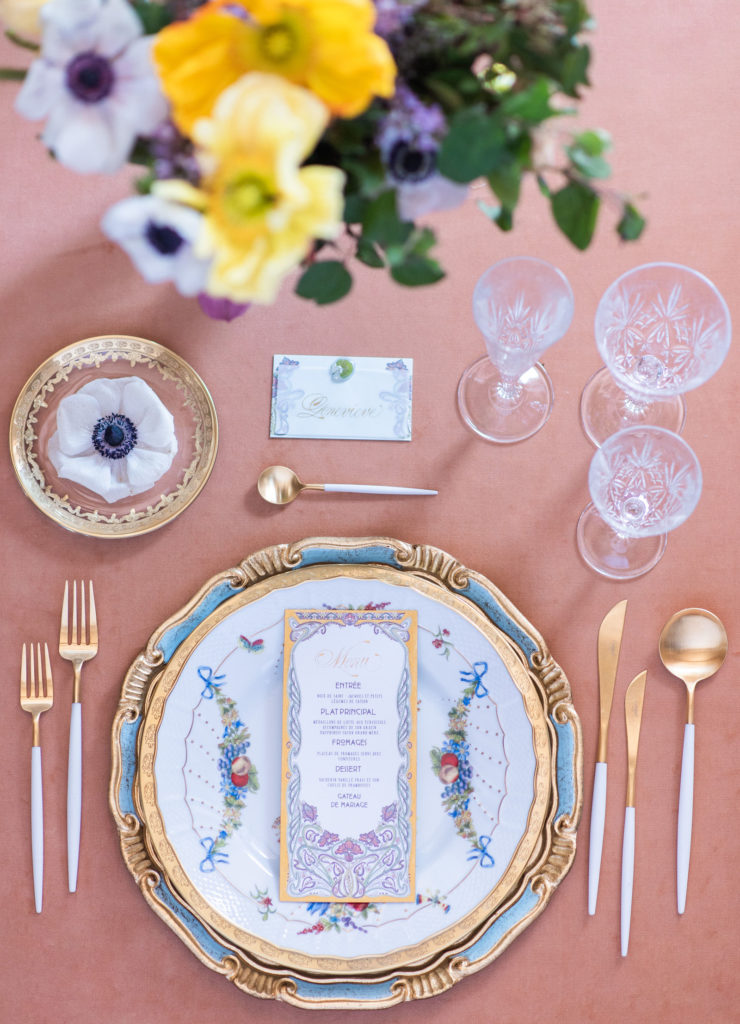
(610, 642)
(633, 716)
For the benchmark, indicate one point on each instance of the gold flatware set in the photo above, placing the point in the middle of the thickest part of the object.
(693, 646)
(78, 642)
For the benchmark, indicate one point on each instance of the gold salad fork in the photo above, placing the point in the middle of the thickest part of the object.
(36, 698)
(77, 643)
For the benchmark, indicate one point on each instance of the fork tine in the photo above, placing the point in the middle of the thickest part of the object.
(41, 686)
(93, 618)
(33, 671)
(75, 632)
(24, 682)
(83, 617)
(49, 680)
(64, 628)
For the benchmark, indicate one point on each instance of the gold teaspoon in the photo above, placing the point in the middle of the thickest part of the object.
(692, 646)
(280, 485)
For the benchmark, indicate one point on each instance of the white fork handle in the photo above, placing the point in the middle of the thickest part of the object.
(596, 838)
(74, 793)
(374, 489)
(685, 816)
(37, 827)
(628, 874)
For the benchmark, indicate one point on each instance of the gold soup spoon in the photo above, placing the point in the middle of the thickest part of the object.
(280, 485)
(692, 647)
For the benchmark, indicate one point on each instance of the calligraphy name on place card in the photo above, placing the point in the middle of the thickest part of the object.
(363, 398)
(348, 808)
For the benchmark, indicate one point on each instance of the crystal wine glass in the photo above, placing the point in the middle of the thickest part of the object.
(662, 329)
(522, 306)
(644, 481)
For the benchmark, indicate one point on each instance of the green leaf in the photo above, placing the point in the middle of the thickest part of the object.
(368, 254)
(382, 224)
(532, 105)
(417, 270)
(632, 223)
(586, 153)
(324, 282)
(575, 209)
(12, 74)
(506, 182)
(473, 146)
(153, 16)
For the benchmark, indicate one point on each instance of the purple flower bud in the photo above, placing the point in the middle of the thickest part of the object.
(221, 309)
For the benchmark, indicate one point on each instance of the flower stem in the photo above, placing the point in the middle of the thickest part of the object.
(12, 74)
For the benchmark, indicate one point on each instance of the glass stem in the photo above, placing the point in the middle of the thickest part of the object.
(508, 391)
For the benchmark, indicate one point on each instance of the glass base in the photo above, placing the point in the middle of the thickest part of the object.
(612, 554)
(605, 409)
(504, 420)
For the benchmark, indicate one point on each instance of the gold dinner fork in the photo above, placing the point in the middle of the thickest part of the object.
(36, 698)
(77, 643)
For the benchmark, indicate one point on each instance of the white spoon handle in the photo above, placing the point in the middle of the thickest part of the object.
(685, 816)
(74, 794)
(374, 489)
(596, 837)
(37, 827)
(628, 874)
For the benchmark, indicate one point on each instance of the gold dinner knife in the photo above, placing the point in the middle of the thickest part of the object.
(633, 702)
(610, 641)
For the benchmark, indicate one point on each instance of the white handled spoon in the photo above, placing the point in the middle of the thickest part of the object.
(692, 647)
(280, 485)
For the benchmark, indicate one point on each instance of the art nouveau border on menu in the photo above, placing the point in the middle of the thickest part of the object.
(486, 938)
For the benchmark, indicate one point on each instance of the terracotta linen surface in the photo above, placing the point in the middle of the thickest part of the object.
(663, 84)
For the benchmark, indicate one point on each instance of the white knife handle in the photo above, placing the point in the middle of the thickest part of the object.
(596, 839)
(374, 489)
(685, 816)
(37, 827)
(628, 874)
(74, 793)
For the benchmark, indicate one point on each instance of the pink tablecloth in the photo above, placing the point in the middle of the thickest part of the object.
(663, 77)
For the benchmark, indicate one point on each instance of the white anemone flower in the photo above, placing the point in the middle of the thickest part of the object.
(114, 436)
(158, 236)
(94, 83)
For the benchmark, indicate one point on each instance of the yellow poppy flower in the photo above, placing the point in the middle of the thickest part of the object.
(328, 46)
(261, 209)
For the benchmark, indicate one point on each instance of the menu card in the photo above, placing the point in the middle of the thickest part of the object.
(348, 814)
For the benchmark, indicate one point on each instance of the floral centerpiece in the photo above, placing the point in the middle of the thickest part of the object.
(284, 136)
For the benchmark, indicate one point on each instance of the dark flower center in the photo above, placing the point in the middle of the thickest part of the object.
(90, 77)
(163, 238)
(406, 163)
(114, 436)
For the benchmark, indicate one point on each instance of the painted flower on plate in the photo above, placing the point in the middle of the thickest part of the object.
(159, 236)
(261, 209)
(94, 83)
(114, 436)
(328, 46)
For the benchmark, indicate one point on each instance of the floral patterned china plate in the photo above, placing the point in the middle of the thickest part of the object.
(196, 787)
(138, 435)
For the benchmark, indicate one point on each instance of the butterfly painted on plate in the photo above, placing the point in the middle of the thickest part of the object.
(254, 646)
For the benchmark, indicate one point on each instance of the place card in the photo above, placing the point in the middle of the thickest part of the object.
(348, 807)
(341, 397)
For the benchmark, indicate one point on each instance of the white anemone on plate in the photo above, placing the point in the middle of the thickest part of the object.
(114, 436)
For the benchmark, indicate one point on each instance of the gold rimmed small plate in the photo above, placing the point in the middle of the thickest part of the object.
(33, 423)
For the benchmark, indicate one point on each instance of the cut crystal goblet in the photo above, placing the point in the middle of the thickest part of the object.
(522, 306)
(661, 329)
(644, 482)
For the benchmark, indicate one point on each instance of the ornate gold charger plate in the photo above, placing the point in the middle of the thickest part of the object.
(113, 356)
(495, 835)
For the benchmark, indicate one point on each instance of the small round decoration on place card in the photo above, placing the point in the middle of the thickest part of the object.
(341, 370)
